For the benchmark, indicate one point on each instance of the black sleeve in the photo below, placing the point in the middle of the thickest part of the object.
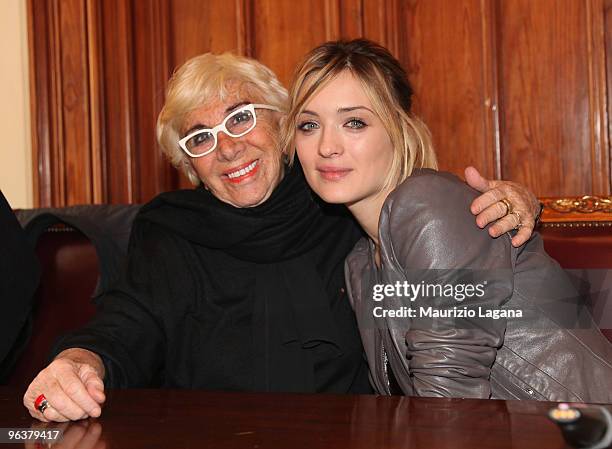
(128, 329)
(19, 277)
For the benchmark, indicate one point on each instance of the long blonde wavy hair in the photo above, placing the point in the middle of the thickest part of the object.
(386, 85)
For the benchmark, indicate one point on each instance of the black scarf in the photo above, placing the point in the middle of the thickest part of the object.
(292, 293)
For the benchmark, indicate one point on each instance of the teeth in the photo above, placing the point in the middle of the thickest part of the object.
(243, 171)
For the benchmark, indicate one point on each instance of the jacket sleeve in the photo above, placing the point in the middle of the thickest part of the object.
(19, 276)
(434, 241)
(127, 330)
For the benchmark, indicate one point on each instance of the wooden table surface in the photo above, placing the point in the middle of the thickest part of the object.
(200, 419)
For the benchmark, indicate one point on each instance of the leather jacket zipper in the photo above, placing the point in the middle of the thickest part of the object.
(385, 364)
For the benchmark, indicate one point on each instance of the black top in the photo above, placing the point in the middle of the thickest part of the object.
(218, 297)
(19, 276)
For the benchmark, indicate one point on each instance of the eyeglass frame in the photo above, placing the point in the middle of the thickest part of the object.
(221, 127)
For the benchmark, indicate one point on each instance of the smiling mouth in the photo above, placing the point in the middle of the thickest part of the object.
(243, 172)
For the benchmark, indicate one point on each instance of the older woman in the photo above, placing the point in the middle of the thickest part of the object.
(442, 309)
(235, 285)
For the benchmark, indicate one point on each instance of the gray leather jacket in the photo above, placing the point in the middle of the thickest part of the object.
(465, 341)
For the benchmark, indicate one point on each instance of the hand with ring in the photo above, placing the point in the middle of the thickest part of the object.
(69, 389)
(505, 204)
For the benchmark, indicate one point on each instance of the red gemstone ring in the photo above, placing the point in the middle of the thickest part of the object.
(41, 404)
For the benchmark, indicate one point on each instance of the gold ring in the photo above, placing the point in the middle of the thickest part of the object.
(506, 202)
(518, 217)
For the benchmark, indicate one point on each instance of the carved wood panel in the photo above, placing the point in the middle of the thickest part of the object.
(553, 95)
(518, 88)
(447, 50)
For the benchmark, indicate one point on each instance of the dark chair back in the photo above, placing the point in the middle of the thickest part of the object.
(577, 232)
(63, 300)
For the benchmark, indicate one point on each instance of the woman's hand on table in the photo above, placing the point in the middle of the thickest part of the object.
(489, 208)
(72, 385)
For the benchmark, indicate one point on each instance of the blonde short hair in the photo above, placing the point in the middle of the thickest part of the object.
(386, 86)
(206, 78)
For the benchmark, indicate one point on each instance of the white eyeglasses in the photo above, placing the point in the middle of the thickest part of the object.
(238, 123)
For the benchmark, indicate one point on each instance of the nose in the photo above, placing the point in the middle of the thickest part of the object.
(329, 144)
(229, 148)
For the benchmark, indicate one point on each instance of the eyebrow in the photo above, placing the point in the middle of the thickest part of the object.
(340, 110)
(229, 109)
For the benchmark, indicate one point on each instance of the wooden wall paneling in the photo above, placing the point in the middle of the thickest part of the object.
(46, 105)
(215, 25)
(40, 57)
(56, 150)
(75, 126)
(119, 123)
(384, 23)
(351, 21)
(346, 19)
(60, 102)
(333, 18)
(490, 62)
(608, 50)
(544, 78)
(373, 19)
(244, 27)
(151, 67)
(284, 31)
(96, 102)
(510, 86)
(608, 56)
(600, 149)
(444, 47)
(391, 31)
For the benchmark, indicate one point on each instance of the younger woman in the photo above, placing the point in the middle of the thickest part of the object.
(443, 310)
